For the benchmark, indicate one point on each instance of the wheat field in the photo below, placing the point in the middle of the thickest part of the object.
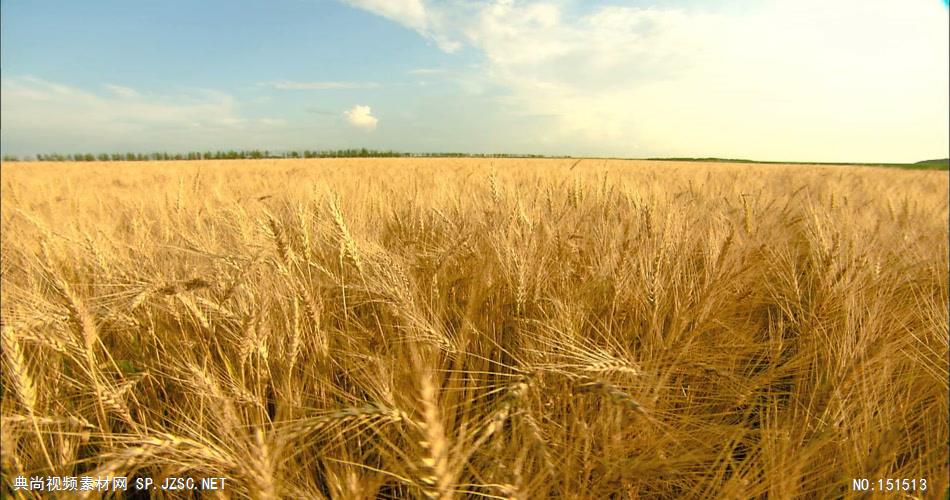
(490, 328)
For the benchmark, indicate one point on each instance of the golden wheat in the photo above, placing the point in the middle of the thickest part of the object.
(441, 328)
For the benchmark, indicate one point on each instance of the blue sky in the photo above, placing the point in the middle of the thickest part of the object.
(836, 81)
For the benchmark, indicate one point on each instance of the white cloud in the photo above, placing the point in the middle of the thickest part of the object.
(29, 100)
(415, 15)
(409, 13)
(42, 116)
(427, 71)
(271, 122)
(848, 80)
(361, 117)
(121, 91)
(291, 85)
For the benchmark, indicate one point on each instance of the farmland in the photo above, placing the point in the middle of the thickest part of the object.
(454, 327)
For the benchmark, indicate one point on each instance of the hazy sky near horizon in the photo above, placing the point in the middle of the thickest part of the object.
(809, 80)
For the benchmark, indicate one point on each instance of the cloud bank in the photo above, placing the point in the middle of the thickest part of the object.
(291, 85)
(849, 80)
(37, 115)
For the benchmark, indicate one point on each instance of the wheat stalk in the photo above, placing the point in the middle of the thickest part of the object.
(610, 391)
(434, 471)
(347, 243)
(262, 469)
(23, 384)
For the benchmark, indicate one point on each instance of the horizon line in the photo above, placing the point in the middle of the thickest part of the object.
(258, 154)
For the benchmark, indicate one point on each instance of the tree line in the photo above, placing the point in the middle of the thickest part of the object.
(254, 154)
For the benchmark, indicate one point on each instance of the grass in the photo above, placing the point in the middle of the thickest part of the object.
(941, 164)
(448, 328)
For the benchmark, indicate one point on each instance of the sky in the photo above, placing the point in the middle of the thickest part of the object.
(809, 80)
